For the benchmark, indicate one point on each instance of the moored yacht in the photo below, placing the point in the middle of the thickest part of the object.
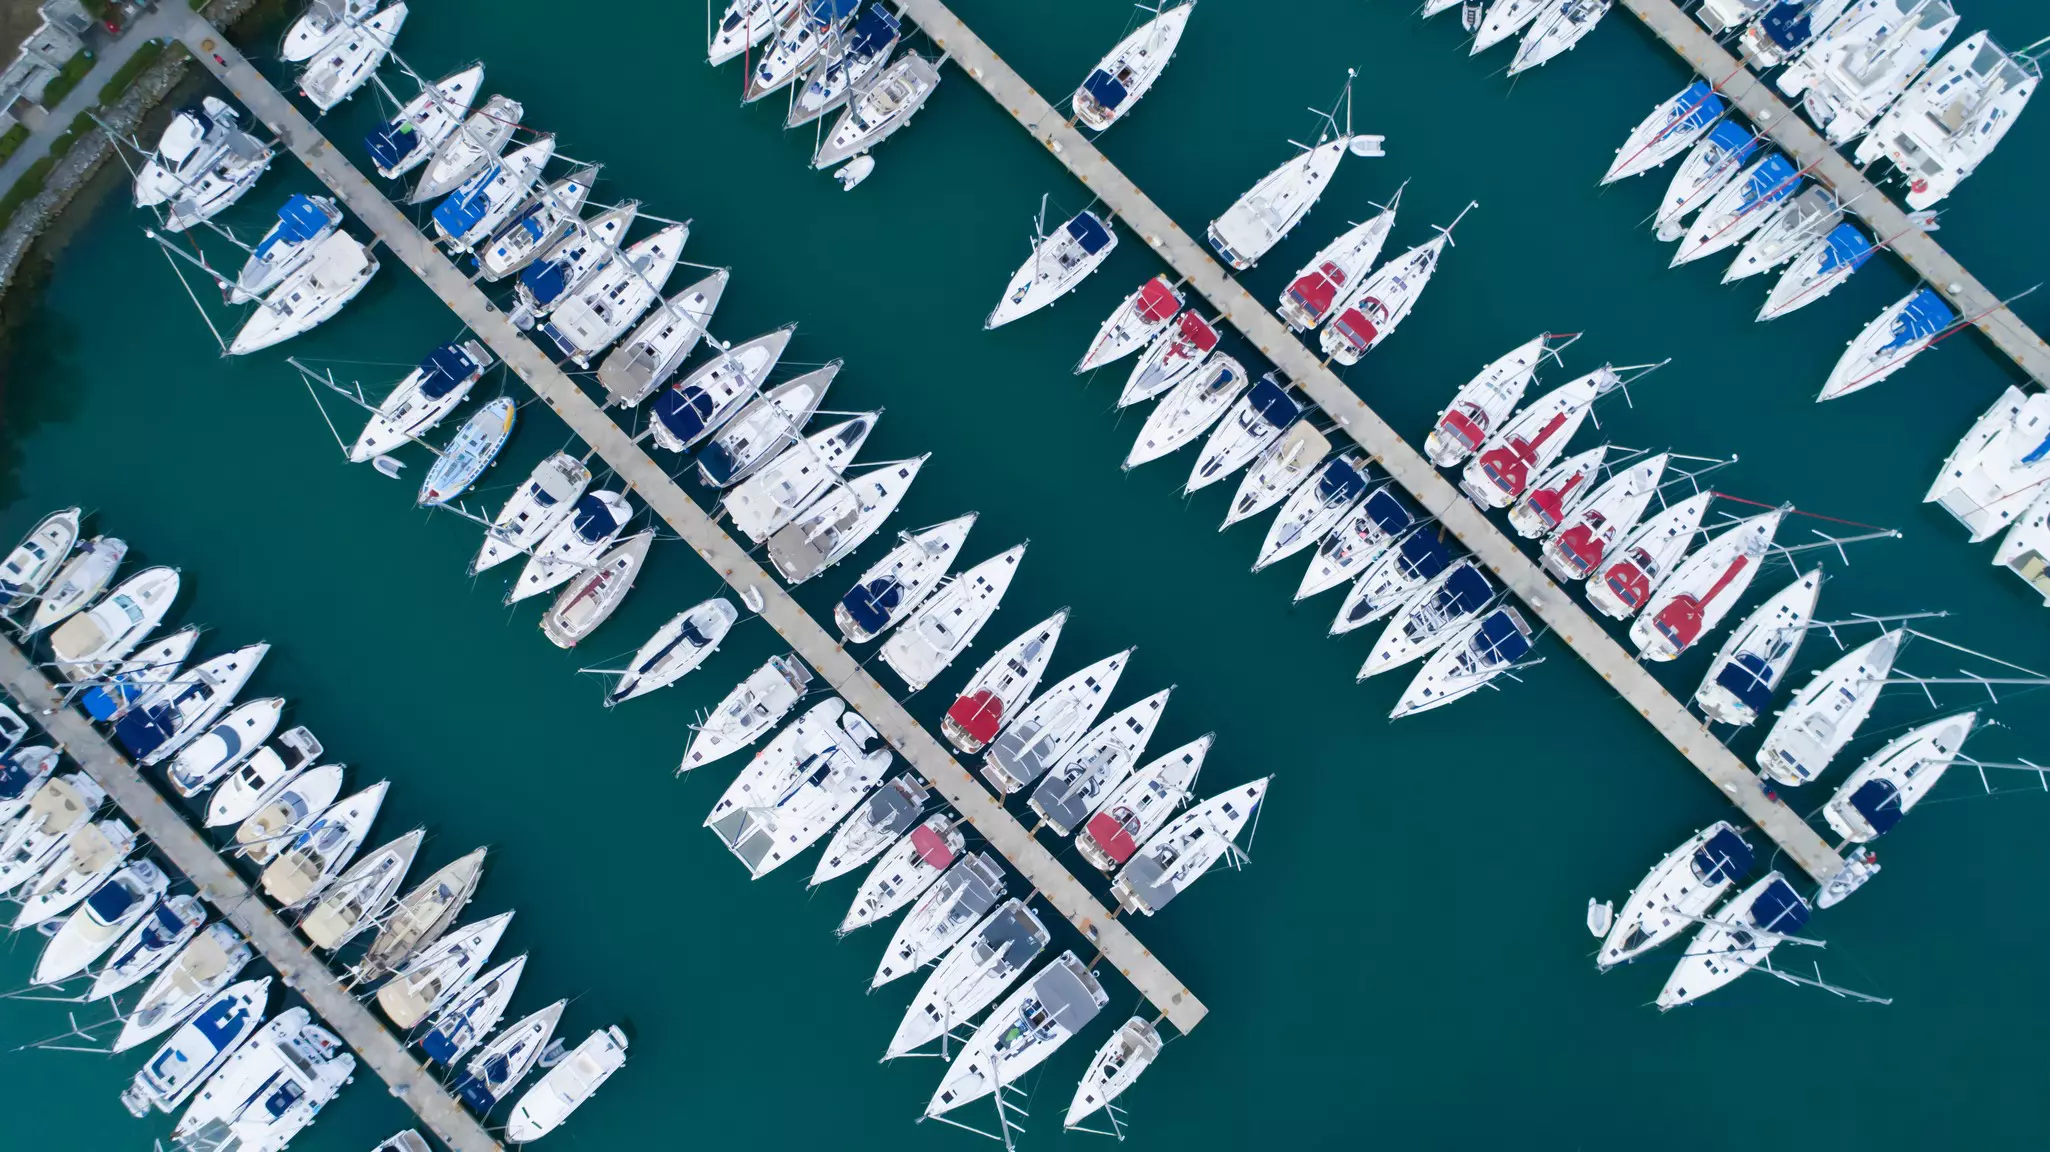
(1997, 470)
(1561, 28)
(579, 538)
(1894, 779)
(1362, 537)
(1822, 717)
(22, 773)
(171, 717)
(796, 479)
(942, 917)
(1319, 503)
(56, 811)
(222, 1024)
(1904, 331)
(1133, 811)
(701, 403)
(1431, 617)
(594, 317)
(1669, 130)
(1144, 315)
(424, 124)
(122, 682)
(1557, 494)
(262, 776)
(1469, 659)
(1271, 208)
(1327, 279)
(323, 22)
(1865, 61)
(590, 598)
(1740, 208)
(754, 706)
(876, 112)
(535, 225)
(559, 273)
(420, 916)
(533, 510)
(564, 1088)
(1819, 270)
(986, 703)
(107, 913)
(1503, 19)
(1704, 588)
(315, 857)
(1254, 422)
(769, 423)
(340, 267)
(1646, 556)
(1189, 410)
(901, 581)
(349, 60)
(1952, 117)
(436, 973)
(1785, 27)
(222, 748)
(1581, 541)
(845, 65)
(280, 820)
(825, 533)
(357, 898)
(475, 211)
(1130, 1051)
(880, 821)
(1482, 403)
(937, 632)
(303, 222)
(88, 858)
(1176, 352)
(830, 774)
(973, 974)
(744, 24)
(2025, 550)
(419, 402)
(206, 189)
(1098, 765)
(1752, 662)
(149, 945)
(1710, 164)
(191, 144)
(1049, 1008)
(1525, 447)
(1053, 723)
(905, 871)
(1368, 315)
(1740, 936)
(686, 641)
(1286, 460)
(499, 1066)
(1389, 580)
(82, 578)
(1684, 885)
(1800, 222)
(468, 149)
(796, 46)
(647, 358)
(270, 1090)
(1059, 262)
(199, 972)
(1179, 854)
(33, 563)
(470, 1017)
(1128, 71)
(469, 452)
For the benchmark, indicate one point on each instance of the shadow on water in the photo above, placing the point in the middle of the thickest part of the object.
(34, 342)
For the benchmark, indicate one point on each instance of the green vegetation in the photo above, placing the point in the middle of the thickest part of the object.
(197, 4)
(67, 78)
(124, 76)
(26, 188)
(10, 140)
(97, 9)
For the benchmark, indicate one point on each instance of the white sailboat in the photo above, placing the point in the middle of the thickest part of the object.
(1271, 208)
(1904, 331)
(1526, 447)
(1482, 403)
(474, 212)
(1581, 541)
(1368, 315)
(937, 632)
(1800, 222)
(323, 22)
(590, 598)
(899, 583)
(596, 315)
(876, 112)
(315, 857)
(340, 267)
(33, 563)
(1740, 937)
(1179, 854)
(1559, 30)
(771, 422)
(470, 1017)
(1176, 352)
(754, 706)
(420, 917)
(1188, 410)
(701, 403)
(564, 1088)
(880, 821)
(1133, 811)
(811, 27)
(1098, 765)
(1362, 537)
(435, 974)
(1669, 130)
(499, 1066)
(1999, 467)
(973, 974)
(349, 60)
(478, 140)
(272, 827)
(1646, 556)
(1127, 72)
(1059, 261)
(1503, 19)
(1326, 280)
(825, 533)
(686, 641)
(171, 717)
(303, 222)
(82, 578)
(1469, 659)
(647, 358)
(1740, 208)
(744, 24)
(795, 480)
(1747, 670)
(1557, 494)
(535, 225)
(1253, 424)
(986, 703)
(845, 64)
(577, 540)
(1319, 503)
(1431, 617)
(801, 784)
(1894, 779)
(1049, 1008)
(942, 917)
(355, 901)
(1822, 717)
(533, 510)
(1705, 588)
(1952, 117)
(420, 401)
(1684, 885)
(1145, 314)
(905, 871)
(1818, 270)
(1054, 722)
(1710, 164)
(424, 124)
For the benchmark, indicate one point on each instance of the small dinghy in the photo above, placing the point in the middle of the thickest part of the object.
(424, 124)
(1601, 914)
(686, 641)
(593, 595)
(1144, 315)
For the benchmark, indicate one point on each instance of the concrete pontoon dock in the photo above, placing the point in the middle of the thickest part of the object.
(652, 484)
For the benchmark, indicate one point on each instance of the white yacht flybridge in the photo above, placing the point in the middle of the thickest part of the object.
(1267, 212)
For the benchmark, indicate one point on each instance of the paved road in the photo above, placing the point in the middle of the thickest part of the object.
(161, 23)
(651, 482)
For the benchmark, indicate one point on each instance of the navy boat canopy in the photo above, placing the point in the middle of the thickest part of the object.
(1750, 679)
(870, 604)
(1880, 803)
(1273, 402)
(1104, 89)
(1702, 103)
(467, 205)
(1466, 591)
(1925, 316)
(1501, 639)
(876, 28)
(684, 412)
(593, 518)
(833, 11)
(1340, 483)
(110, 900)
(444, 368)
(1779, 909)
(143, 729)
(1424, 555)
(1387, 510)
(391, 142)
(1787, 25)
(545, 280)
(1845, 245)
(1733, 137)
(1726, 857)
(719, 463)
(1089, 232)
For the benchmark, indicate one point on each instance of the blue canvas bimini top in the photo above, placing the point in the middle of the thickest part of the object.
(1273, 402)
(299, 220)
(1104, 89)
(1779, 909)
(593, 518)
(1749, 678)
(444, 368)
(1388, 512)
(1424, 555)
(1703, 101)
(1786, 23)
(1925, 316)
(684, 412)
(1733, 139)
(1501, 639)
(872, 603)
(545, 280)
(1089, 232)
(1772, 180)
(1726, 857)
(1845, 245)
(391, 142)
(1466, 591)
(1340, 483)
(1880, 803)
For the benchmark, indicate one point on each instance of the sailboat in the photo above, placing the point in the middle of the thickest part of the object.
(420, 917)
(1581, 542)
(1684, 885)
(1362, 537)
(1482, 403)
(755, 705)
(1645, 558)
(986, 703)
(824, 534)
(315, 857)
(533, 510)
(339, 268)
(1188, 410)
(1130, 1051)
(1739, 938)
(1996, 471)
(1822, 717)
(586, 249)
(1127, 72)
(595, 520)
(224, 1020)
(1098, 765)
(499, 1066)
(745, 24)
(357, 898)
(1431, 617)
(1053, 723)
(1557, 31)
(1144, 315)
(536, 225)
(799, 785)
(33, 563)
(1469, 659)
(1904, 331)
(1059, 261)
(1752, 662)
(1818, 271)
(292, 810)
(469, 452)
(418, 403)
(1557, 494)
(876, 823)
(323, 22)
(941, 629)
(1389, 580)
(645, 360)
(1132, 812)
(1710, 164)
(686, 641)
(1368, 315)
(1317, 505)
(942, 917)
(149, 945)
(1277, 471)
(1894, 779)
(1704, 589)
(1785, 27)
(796, 479)
(590, 598)
(470, 1017)
(1799, 223)
(900, 582)
(1031, 1024)
(810, 27)
(435, 974)
(487, 200)
(2025, 550)
(1526, 446)
(879, 109)
(1669, 130)
(564, 1088)
(1176, 352)
(1740, 208)
(57, 810)
(1273, 206)
(169, 718)
(1179, 854)
(1865, 61)
(349, 60)
(700, 404)
(903, 873)
(1254, 423)
(769, 423)
(594, 317)
(1323, 282)
(1952, 117)
(1504, 18)
(424, 124)
(216, 171)
(845, 64)
(469, 149)
(974, 973)
(303, 222)
(198, 973)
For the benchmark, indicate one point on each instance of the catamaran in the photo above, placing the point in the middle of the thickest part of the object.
(1865, 61)
(288, 813)
(33, 563)
(261, 777)
(1188, 410)
(124, 898)
(1482, 403)
(686, 641)
(171, 717)
(1894, 337)
(359, 896)
(1557, 494)
(1684, 885)
(845, 64)
(880, 821)
(596, 315)
(1740, 208)
(536, 225)
(1431, 617)
(899, 583)
(420, 401)
(1182, 852)
(1669, 130)
(1031, 1024)
(1128, 71)
(1051, 725)
(986, 702)
(1821, 718)
(1645, 558)
(94, 643)
(876, 112)
(1526, 446)
(1705, 588)
(487, 200)
(471, 1016)
(755, 705)
(937, 632)
(1362, 537)
(349, 60)
(745, 24)
(1894, 779)
(499, 1066)
(1391, 579)
(645, 360)
(978, 969)
(1470, 658)
(1796, 225)
(1144, 315)
(1271, 208)
(795, 480)
(593, 523)
(420, 917)
(424, 124)
(478, 140)
(942, 917)
(1995, 472)
(1175, 354)
(436, 973)
(78, 583)
(1752, 662)
(270, 1090)
(303, 223)
(1058, 263)
(1254, 422)
(796, 45)
(1325, 281)
(1319, 503)
(340, 267)
(1368, 315)
(1712, 163)
(236, 737)
(1560, 29)
(799, 785)
(905, 871)
(701, 403)
(1098, 765)
(56, 811)
(590, 599)
(771, 422)
(533, 510)
(1818, 271)
(1132, 812)
(2025, 550)
(1740, 937)
(224, 1021)
(565, 1087)
(1276, 473)
(469, 452)
(1581, 541)
(825, 533)
(317, 856)
(1952, 117)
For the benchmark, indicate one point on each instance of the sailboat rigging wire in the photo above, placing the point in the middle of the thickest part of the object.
(1799, 512)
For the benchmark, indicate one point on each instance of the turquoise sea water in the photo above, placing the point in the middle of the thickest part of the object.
(1404, 963)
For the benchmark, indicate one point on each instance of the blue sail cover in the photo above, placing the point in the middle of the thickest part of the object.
(872, 604)
(1787, 25)
(1273, 402)
(593, 518)
(468, 204)
(719, 463)
(1388, 512)
(1699, 104)
(14, 778)
(546, 280)
(1750, 679)
(874, 31)
(1104, 89)
(1726, 857)
(1730, 138)
(142, 730)
(832, 11)
(1424, 555)
(1925, 316)
(1089, 232)
(391, 142)
(1880, 803)
(1845, 246)
(1779, 909)
(1772, 179)
(1341, 483)
(684, 413)
(1465, 592)
(445, 368)
(1500, 640)
(299, 220)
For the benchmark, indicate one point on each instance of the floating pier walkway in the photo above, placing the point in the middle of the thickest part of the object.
(165, 827)
(1409, 468)
(1812, 154)
(983, 811)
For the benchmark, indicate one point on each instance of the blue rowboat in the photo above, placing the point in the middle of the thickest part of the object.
(470, 451)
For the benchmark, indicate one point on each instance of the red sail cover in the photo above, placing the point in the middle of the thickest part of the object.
(979, 714)
(1550, 502)
(1629, 583)
(1578, 550)
(1463, 428)
(931, 847)
(1680, 621)
(1158, 300)
(1198, 332)
(1356, 329)
(1111, 836)
(1509, 466)
(1316, 291)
